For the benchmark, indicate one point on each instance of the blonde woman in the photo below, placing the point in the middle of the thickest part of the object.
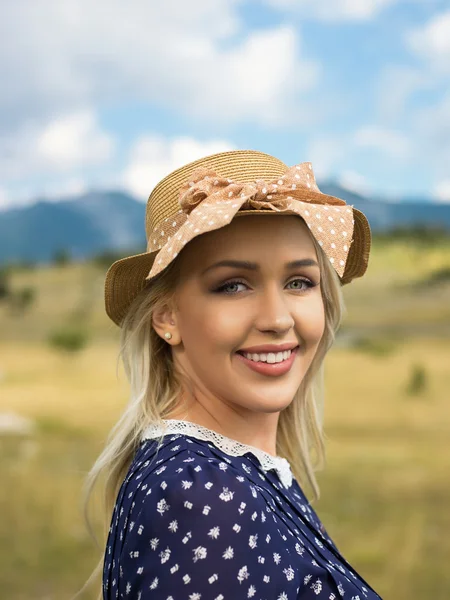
(225, 325)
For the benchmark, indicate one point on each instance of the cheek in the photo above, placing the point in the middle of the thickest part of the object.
(215, 327)
(310, 321)
(212, 328)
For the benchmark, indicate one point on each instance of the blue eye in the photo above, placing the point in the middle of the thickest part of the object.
(221, 290)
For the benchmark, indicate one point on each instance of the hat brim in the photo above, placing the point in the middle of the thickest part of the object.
(126, 277)
(124, 281)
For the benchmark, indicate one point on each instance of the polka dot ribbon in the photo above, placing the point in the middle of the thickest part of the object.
(209, 202)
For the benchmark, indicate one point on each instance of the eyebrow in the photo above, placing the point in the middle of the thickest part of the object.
(243, 264)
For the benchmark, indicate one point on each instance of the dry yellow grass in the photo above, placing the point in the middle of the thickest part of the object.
(385, 491)
(82, 390)
(377, 300)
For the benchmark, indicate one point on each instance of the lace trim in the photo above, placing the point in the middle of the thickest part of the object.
(226, 444)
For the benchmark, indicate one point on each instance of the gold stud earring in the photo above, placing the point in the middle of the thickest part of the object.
(168, 335)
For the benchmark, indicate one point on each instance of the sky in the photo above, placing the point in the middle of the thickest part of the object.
(115, 95)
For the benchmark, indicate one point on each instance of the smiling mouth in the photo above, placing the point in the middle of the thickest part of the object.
(274, 365)
(268, 357)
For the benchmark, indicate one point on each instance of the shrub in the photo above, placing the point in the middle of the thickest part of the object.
(22, 299)
(4, 284)
(106, 258)
(374, 346)
(418, 380)
(68, 339)
(417, 234)
(440, 276)
(62, 257)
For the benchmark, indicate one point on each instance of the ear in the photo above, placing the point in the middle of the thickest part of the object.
(163, 321)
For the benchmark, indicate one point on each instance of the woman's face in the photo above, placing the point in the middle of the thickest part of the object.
(221, 310)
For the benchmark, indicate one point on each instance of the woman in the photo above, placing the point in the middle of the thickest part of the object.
(225, 325)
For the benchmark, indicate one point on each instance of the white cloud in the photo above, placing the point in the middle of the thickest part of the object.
(50, 190)
(325, 152)
(435, 118)
(192, 56)
(432, 126)
(66, 188)
(432, 42)
(4, 200)
(395, 86)
(341, 157)
(260, 80)
(74, 140)
(388, 142)
(354, 182)
(332, 10)
(62, 145)
(153, 157)
(331, 155)
(195, 58)
(442, 191)
(429, 123)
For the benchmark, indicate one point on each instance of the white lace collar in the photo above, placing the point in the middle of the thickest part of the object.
(226, 444)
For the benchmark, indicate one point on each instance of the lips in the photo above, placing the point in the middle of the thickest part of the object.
(267, 348)
(251, 351)
(269, 369)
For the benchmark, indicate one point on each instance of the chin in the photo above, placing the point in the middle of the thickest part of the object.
(268, 406)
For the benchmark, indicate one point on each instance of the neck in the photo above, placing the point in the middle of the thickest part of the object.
(254, 429)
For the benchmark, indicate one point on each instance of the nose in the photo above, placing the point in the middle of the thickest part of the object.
(274, 312)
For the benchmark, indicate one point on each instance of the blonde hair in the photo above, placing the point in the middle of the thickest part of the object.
(155, 388)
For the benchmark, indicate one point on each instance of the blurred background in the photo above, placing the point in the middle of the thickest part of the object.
(102, 99)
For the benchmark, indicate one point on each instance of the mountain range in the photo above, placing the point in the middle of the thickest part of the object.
(101, 221)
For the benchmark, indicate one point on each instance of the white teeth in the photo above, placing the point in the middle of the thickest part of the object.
(269, 357)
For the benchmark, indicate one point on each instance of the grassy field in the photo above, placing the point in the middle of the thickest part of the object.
(385, 491)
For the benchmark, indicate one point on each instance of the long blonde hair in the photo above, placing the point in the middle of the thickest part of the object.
(155, 388)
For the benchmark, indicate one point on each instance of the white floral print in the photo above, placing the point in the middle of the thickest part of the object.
(218, 527)
(243, 574)
(214, 533)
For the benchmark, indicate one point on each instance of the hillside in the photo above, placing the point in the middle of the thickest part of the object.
(82, 226)
(105, 221)
(405, 292)
(386, 423)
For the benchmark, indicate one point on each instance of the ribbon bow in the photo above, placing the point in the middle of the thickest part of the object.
(297, 183)
(209, 201)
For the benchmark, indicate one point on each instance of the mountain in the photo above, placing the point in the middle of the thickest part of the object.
(383, 215)
(114, 221)
(83, 226)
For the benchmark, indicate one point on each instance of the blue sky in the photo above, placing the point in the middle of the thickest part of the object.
(116, 95)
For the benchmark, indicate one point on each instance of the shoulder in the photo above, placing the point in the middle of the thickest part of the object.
(183, 487)
(182, 469)
(191, 520)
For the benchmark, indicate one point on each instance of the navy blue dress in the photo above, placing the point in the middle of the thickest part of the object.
(208, 518)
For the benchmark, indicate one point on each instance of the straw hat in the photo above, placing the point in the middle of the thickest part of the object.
(208, 193)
